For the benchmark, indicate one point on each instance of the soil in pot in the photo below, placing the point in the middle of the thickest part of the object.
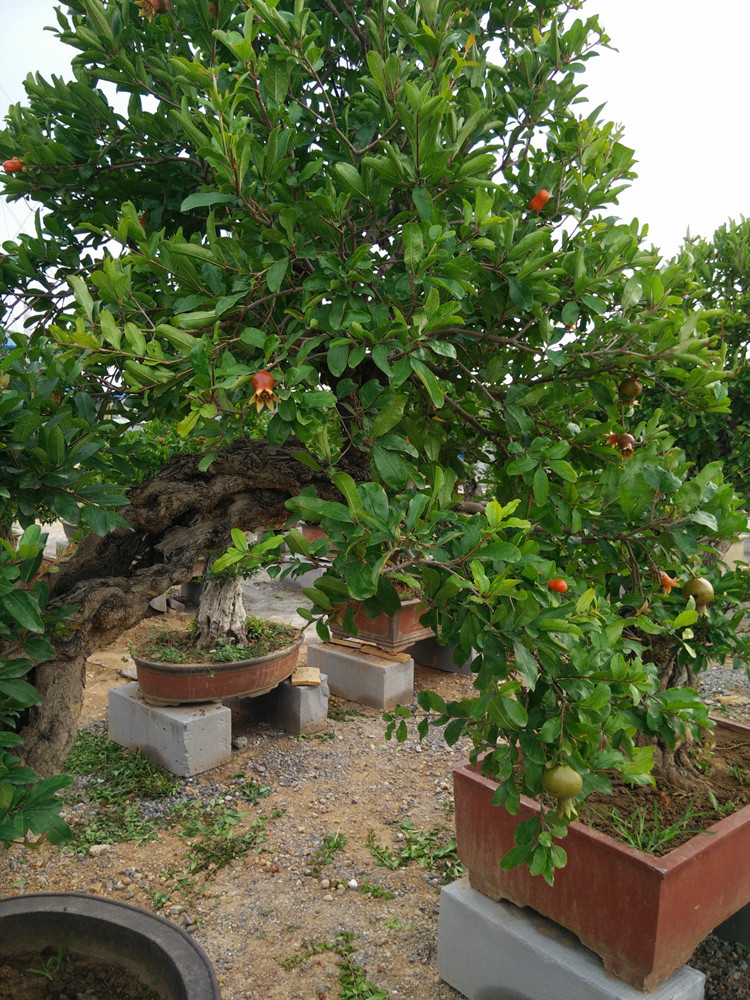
(657, 821)
(51, 975)
(177, 645)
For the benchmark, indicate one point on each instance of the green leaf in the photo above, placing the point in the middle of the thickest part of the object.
(685, 618)
(520, 294)
(429, 381)
(389, 416)
(275, 274)
(391, 468)
(540, 487)
(203, 199)
(344, 482)
(631, 293)
(411, 235)
(24, 609)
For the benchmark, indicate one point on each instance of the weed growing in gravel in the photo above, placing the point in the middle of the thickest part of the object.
(250, 791)
(376, 891)
(332, 842)
(212, 826)
(424, 848)
(119, 774)
(353, 983)
(113, 824)
(116, 778)
(338, 714)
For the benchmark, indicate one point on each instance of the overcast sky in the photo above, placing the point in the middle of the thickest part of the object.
(678, 85)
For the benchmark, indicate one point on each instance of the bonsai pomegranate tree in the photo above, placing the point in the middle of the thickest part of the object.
(350, 199)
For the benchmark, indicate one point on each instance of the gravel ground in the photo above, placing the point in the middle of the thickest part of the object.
(271, 922)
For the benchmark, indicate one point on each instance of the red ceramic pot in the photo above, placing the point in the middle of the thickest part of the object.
(644, 916)
(391, 632)
(188, 683)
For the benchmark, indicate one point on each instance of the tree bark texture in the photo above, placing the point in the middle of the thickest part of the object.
(221, 614)
(175, 518)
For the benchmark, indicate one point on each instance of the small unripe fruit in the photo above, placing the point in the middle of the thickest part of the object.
(564, 784)
(630, 388)
(700, 590)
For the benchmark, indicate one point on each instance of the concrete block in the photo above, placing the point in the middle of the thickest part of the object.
(367, 678)
(299, 709)
(430, 653)
(498, 951)
(184, 739)
(737, 928)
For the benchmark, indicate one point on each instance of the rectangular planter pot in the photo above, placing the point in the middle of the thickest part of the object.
(391, 632)
(644, 916)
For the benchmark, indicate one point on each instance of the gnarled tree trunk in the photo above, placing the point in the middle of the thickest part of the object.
(175, 518)
(221, 613)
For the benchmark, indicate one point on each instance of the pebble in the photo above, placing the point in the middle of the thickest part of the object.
(353, 884)
(98, 849)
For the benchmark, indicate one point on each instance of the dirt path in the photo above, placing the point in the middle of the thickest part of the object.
(278, 921)
(318, 814)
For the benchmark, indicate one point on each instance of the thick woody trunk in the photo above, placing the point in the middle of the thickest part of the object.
(221, 613)
(175, 518)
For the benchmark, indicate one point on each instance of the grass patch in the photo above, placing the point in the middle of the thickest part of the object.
(170, 645)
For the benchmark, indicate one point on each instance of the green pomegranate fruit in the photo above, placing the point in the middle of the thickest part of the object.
(630, 388)
(701, 590)
(564, 784)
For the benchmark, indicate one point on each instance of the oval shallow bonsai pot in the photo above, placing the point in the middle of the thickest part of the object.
(191, 683)
(151, 949)
(643, 915)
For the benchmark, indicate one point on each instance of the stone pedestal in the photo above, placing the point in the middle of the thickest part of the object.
(367, 677)
(498, 951)
(184, 739)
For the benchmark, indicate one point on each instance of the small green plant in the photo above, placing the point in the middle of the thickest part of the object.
(332, 843)
(52, 964)
(424, 848)
(337, 714)
(375, 890)
(216, 844)
(737, 773)
(119, 774)
(644, 829)
(353, 983)
(394, 924)
(160, 897)
(251, 791)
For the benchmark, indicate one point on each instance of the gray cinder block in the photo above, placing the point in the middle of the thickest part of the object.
(364, 677)
(498, 951)
(183, 739)
(300, 709)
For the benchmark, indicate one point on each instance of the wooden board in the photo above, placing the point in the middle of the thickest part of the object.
(308, 676)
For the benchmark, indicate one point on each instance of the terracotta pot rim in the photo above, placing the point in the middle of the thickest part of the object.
(226, 666)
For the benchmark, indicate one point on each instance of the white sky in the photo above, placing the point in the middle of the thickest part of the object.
(678, 85)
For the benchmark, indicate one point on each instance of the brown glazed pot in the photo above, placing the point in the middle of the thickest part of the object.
(644, 916)
(189, 683)
(391, 632)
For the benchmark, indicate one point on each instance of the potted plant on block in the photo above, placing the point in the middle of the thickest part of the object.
(225, 653)
(421, 237)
